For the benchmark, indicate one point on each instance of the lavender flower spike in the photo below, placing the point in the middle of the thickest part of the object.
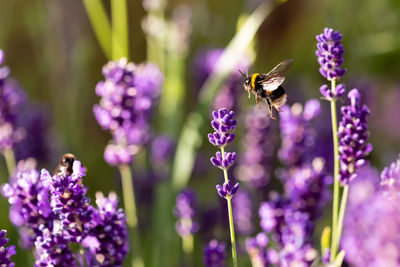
(390, 175)
(330, 54)
(185, 209)
(5, 252)
(223, 123)
(214, 254)
(353, 134)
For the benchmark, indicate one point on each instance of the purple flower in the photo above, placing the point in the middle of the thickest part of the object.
(369, 207)
(390, 175)
(185, 210)
(353, 135)
(330, 54)
(256, 247)
(243, 210)
(229, 159)
(29, 200)
(327, 93)
(5, 252)
(298, 138)
(259, 149)
(11, 101)
(228, 189)
(223, 123)
(52, 249)
(214, 254)
(107, 240)
(68, 200)
(127, 97)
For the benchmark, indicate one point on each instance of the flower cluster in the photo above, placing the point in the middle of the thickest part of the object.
(330, 54)
(185, 210)
(5, 252)
(298, 138)
(223, 124)
(353, 135)
(370, 208)
(107, 240)
(329, 95)
(243, 209)
(29, 200)
(68, 200)
(127, 96)
(11, 101)
(258, 143)
(214, 254)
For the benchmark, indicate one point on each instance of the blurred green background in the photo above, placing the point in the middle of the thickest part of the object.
(52, 51)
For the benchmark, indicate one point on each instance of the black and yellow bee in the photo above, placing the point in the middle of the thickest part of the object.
(268, 86)
(66, 160)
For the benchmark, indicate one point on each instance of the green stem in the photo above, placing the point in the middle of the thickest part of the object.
(120, 39)
(130, 211)
(100, 23)
(341, 216)
(10, 160)
(335, 173)
(231, 225)
(187, 244)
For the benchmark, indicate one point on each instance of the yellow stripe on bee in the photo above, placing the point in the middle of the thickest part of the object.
(253, 80)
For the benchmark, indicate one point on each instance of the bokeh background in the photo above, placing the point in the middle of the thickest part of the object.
(52, 51)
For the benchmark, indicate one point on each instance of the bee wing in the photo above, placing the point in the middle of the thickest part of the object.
(276, 76)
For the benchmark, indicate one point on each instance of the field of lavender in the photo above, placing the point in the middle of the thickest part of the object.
(130, 133)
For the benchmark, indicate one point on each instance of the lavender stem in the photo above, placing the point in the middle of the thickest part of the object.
(335, 173)
(10, 160)
(231, 225)
(341, 216)
(130, 209)
(120, 36)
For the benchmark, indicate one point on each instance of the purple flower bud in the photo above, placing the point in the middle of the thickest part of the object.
(229, 159)
(353, 135)
(228, 189)
(214, 254)
(5, 252)
(223, 123)
(327, 93)
(185, 210)
(330, 54)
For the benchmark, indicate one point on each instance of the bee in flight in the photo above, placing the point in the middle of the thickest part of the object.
(268, 86)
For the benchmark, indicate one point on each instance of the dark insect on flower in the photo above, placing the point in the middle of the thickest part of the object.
(66, 161)
(268, 86)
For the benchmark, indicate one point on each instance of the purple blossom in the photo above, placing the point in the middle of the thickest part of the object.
(223, 123)
(298, 138)
(68, 200)
(256, 247)
(5, 252)
(228, 189)
(29, 200)
(258, 149)
(369, 207)
(390, 175)
(229, 159)
(185, 211)
(214, 254)
(128, 95)
(107, 240)
(52, 249)
(330, 54)
(243, 210)
(11, 101)
(327, 93)
(353, 135)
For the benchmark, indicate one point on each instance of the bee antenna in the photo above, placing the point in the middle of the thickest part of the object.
(244, 76)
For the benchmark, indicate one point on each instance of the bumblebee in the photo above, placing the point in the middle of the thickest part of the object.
(268, 86)
(66, 160)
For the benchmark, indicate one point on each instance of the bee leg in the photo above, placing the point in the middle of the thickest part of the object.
(270, 108)
(257, 102)
(248, 91)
